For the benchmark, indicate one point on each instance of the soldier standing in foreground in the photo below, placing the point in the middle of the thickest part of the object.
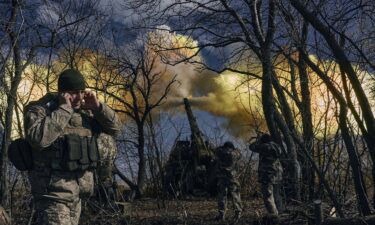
(269, 172)
(227, 177)
(64, 131)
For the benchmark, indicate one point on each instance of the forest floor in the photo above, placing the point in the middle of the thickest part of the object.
(186, 212)
(189, 211)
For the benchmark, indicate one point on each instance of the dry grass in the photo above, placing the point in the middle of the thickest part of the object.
(152, 211)
(181, 212)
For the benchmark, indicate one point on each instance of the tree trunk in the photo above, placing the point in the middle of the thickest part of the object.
(268, 101)
(160, 172)
(293, 166)
(307, 126)
(359, 183)
(11, 99)
(141, 180)
(368, 139)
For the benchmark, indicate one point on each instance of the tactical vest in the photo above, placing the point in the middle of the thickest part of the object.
(75, 150)
(70, 152)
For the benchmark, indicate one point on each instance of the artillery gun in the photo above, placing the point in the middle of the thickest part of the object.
(190, 167)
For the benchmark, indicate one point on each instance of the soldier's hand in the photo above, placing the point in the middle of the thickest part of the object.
(91, 102)
(65, 98)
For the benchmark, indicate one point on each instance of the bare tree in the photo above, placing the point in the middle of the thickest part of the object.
(16, 31)
(138, 86)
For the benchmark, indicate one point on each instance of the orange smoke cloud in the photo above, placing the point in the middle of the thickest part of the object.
(234, 97)
(228, 95)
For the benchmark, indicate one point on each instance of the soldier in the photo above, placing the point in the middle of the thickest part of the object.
(64, 131)
(227, 178)
(269, 172)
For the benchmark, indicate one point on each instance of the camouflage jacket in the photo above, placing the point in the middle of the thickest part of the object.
(45, 121)
(228, 164)
(269, 168)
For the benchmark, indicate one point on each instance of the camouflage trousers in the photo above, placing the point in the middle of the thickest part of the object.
(272, 197)
(228, 188)
(50, 212)
(4, 218)
(57, 195)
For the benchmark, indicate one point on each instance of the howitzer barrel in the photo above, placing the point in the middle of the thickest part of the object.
(192, 121)
(196, 136)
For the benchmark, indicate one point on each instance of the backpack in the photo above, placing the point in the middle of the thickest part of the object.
(107, 153)
(20, 154)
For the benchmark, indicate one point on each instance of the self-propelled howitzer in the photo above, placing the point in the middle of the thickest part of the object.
(190, 168)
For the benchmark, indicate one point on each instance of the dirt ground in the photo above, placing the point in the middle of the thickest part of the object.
(153, 211)
(184, 212)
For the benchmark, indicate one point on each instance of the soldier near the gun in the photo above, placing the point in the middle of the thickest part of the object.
(65, 132)
(269, 172)
(227, 178)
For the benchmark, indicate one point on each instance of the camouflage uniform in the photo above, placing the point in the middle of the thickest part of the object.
(269, 174)
(57, 193)
(227, 178)
(4, 218)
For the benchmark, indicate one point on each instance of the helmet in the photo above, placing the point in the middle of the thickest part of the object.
(71, 80)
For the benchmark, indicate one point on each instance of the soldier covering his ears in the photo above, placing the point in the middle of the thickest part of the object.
(71, 134)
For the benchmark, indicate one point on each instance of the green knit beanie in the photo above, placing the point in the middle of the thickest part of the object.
(71, 80)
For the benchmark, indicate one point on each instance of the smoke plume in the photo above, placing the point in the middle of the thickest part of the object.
(228, 95)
